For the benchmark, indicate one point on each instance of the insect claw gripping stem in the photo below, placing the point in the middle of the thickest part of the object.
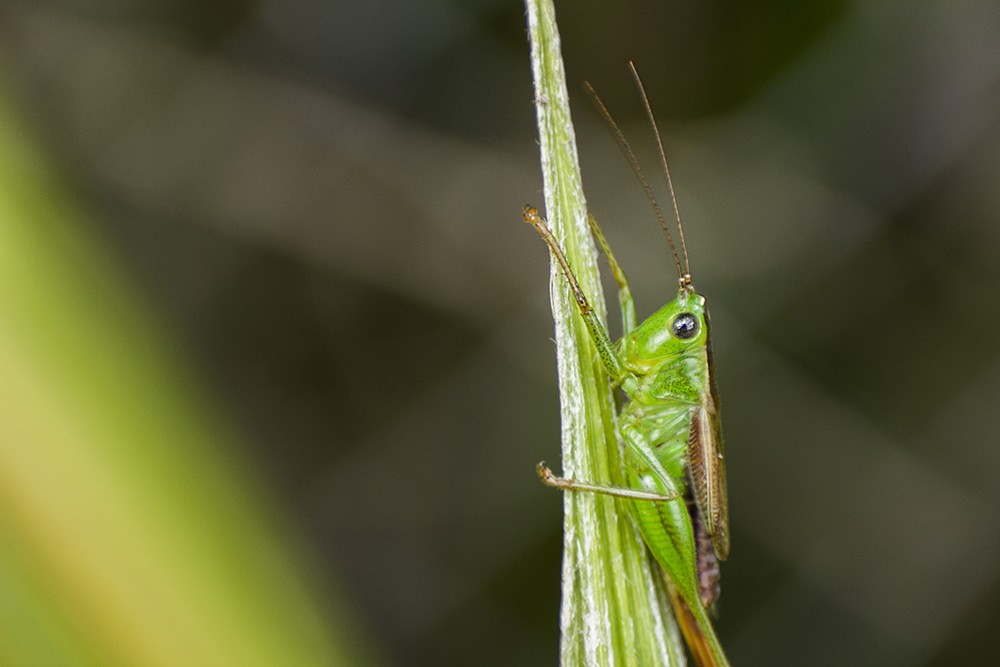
(549, 478)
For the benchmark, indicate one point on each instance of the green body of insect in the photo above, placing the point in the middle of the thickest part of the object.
(673, 453)
(673, 443)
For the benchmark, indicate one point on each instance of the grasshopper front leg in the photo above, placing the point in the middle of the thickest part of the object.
(605, 348)
(625, 302)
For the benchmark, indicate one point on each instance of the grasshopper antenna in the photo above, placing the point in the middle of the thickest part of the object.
(685, 278)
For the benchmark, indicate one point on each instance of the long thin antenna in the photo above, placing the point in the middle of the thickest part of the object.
(686, 278)
(630, 156)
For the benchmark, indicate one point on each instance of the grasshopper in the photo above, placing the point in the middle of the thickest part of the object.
(669, 424)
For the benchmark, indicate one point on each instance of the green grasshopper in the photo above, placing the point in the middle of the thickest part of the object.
(670, 423)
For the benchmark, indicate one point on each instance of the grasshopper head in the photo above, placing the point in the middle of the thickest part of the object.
(678, 327)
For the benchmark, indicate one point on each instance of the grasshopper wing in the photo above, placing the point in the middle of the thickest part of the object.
(708, 473)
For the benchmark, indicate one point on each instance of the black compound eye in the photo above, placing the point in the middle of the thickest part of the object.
(684, 326)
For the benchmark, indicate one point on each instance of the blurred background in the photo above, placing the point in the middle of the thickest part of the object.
(275, 346)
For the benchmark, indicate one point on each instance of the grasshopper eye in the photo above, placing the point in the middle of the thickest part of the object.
(684, 326)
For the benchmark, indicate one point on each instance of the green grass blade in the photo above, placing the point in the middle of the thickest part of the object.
(614, 609)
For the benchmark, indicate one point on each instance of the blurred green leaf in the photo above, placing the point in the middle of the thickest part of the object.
(132, 532)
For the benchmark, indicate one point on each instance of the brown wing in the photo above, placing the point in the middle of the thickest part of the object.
(708, 473)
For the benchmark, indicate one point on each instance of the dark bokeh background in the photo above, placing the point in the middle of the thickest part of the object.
(321, 202)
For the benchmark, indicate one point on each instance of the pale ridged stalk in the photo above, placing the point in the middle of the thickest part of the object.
(614, 606)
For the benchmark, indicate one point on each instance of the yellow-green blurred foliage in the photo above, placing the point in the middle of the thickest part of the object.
(132, 533)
